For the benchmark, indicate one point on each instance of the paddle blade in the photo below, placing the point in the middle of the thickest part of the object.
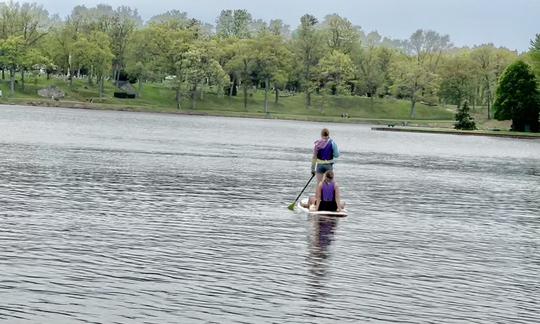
(291, 206)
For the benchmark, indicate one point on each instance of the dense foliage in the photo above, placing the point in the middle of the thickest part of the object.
(517, 98)
(320, 58)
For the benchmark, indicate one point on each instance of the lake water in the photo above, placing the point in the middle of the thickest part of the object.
(116, 217)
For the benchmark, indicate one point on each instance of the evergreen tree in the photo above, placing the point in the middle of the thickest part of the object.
(463, 118)
(535, 43)
(517, 98)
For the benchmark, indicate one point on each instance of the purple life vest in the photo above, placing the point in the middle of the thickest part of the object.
(328, 192)
(326, 153)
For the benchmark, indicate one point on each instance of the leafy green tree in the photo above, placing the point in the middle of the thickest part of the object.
(490, 63)
(340, 34)
(225, 52)
(28, 21)
(535, 54)
(309, 47)
(271, 57)
(199, 66)
(410, 78)
(372, 66)
(176, 16)
(94, 53)
(417, 73)
(32, 59)
(13, 49)
(234, 23)
(278, 28)
(168, 46)
(457, 79)
(517, 98)
(122, 25)
(336, 69)
(57, 45)
(464, 120)
(242, 64)
(140, 63)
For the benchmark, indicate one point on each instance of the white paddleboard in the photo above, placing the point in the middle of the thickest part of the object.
(304, 201)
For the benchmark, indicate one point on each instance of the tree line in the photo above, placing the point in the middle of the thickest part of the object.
(319, 58)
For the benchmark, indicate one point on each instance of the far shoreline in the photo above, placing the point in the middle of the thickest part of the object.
(486, 133)
(215, 113)
(407, 125)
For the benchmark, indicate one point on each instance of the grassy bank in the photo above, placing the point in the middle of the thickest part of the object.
(460, 132)
(158, 97)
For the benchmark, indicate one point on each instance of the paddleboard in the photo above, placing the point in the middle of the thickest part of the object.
(304, 201)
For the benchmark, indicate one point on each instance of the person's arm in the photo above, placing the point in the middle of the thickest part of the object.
(335, 149)
(318, 196)
(338, 197)
(314, 161)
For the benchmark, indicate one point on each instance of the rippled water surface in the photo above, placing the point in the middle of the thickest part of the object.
(114, 217)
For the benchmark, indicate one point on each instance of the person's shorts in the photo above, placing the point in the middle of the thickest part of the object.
(322, 168)
(328, 206)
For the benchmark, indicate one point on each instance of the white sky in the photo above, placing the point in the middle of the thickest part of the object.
(510, 23)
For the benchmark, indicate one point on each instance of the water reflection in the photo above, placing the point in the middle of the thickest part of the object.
(321, 236)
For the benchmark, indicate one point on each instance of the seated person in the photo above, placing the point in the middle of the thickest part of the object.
(327, 196)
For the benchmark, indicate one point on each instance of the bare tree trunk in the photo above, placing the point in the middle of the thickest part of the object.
(178, 98)
(101, 87)
(12, 81)
(232, 86)
(194, 96)
(413, 108)
(277, 95)
(201, 92)
(90, 75)
(22, 79)
(266, 89)
(115, 72)
(489, 104)
(118, 76)
(244, 85)
(3, 74)
(413, 99)
(308, 92)
(139, 91)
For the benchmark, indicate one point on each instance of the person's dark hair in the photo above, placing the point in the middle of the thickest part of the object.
(329, 175)
(325, 132)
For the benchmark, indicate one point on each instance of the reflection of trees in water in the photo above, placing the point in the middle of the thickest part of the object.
(320, 238)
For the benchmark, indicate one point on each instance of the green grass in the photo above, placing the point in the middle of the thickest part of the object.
(159, 97)
(461, 132)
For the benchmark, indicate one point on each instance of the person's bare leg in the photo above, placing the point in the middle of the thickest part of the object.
(311, 200)
(319, 177)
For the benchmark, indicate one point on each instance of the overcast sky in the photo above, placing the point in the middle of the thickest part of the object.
(509, 23)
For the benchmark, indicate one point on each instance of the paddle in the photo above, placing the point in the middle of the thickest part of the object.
(291, 206)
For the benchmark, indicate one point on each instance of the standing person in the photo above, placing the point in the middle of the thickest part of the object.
(328, 196)
(324, 153)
